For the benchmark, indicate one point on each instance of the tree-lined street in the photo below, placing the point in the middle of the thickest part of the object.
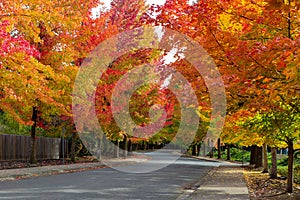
(210, 78)
(176, 180)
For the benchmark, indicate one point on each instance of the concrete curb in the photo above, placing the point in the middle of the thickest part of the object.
(191, 189)
(21, 173)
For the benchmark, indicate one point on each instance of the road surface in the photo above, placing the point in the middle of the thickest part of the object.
(108, 183)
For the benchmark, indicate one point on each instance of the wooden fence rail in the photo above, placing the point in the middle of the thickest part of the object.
(17, 147)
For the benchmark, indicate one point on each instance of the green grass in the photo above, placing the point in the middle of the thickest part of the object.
(283, 171)
(244, 156)
(236, 154)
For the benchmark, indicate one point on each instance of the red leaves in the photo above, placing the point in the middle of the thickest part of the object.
(246, 27)
(12, 42)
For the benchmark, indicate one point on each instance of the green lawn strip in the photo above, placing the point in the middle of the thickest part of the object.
(237, 154)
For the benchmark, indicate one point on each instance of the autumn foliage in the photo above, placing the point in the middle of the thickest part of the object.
(254, 43)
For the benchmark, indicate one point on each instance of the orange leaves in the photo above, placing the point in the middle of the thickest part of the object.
(38, 50)
(274, 3)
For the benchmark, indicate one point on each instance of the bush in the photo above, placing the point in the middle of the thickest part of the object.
(283, 171)
(236, 154)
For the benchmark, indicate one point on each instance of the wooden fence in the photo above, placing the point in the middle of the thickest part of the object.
(17, 147)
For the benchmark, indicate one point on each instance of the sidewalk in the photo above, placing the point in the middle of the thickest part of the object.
(20, 173)
(223, 182)
(15, 174)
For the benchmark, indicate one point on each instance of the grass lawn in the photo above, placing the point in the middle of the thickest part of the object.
(240, 155)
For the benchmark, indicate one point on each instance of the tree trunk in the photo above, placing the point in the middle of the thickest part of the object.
(117, 148)
(219, 148)
(194, 150)
(211, 153)
(33, 132)
(100, 147)
(143, 145)
(198, 149)
(73, 145)
(289, 187)
(256, 156)
(265, 159)
(273, 173)
(125, 145)
(259, 161)
(130, 148)
(228, 151)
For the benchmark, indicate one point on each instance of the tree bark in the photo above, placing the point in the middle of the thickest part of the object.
(33, 133)
(265, 159)
(219, 148)
(100, 147)
(273, 173)
(228, 151)
(211, 153)
(73, 145)
(256, 156)
(129, 148)
(198, 149)
(290, 177)
(117, 149)
(194, 150)
(289, 187)
(125, 146)
(259, 162)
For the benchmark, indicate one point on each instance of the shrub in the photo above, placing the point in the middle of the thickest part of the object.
(283, 171)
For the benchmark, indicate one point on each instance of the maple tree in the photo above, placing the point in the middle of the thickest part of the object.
(254, 43)
(257, 55)
(122, 16)
(37, 71)
(266, 52)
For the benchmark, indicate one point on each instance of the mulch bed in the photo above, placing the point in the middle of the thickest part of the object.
(25, 164)
(260, 187)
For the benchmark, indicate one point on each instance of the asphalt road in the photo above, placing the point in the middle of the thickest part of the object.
(107, 183)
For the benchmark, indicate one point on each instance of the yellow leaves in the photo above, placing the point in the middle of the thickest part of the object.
(50, 26)
(297, 145)
(291, 72)
(227, 23)
(23, 81)
(201, 112)
(203, 117)
(9, 28)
